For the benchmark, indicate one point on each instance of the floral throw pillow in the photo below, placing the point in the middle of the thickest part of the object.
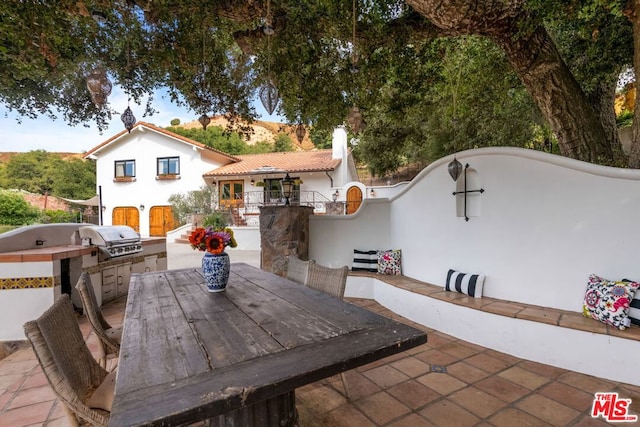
(608, 300)
(389, 262)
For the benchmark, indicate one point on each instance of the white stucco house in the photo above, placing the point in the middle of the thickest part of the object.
(137, 172)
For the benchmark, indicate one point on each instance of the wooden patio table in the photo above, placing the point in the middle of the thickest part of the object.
(236, 357)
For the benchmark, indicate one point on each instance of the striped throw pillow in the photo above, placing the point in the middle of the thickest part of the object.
(634, 307)
(365, 261)
(468, 284)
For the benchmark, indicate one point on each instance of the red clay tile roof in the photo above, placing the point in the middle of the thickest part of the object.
(159, 130)
(292, 161)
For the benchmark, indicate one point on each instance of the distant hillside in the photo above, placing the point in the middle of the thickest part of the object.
(6, 156)
(262, 131)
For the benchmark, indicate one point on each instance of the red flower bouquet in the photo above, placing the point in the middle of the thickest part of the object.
(212, 241)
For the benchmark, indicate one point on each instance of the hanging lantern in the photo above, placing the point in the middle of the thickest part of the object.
(268, 21)
(268, 26)
(269, 97)
(300, 132)
(455, 169)
(355, 119)
(204, 121)
(99, 86)
(128, 119)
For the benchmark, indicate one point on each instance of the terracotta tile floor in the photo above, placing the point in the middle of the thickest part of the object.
(446, 382)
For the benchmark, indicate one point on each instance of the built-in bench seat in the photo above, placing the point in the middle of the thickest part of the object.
(568, 348)
(552, 316)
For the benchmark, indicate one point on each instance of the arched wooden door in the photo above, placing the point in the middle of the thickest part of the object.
(160, 221)
(126, 215)
(354, 199)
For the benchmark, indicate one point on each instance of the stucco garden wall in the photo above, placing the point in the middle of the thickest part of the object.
(543, 224)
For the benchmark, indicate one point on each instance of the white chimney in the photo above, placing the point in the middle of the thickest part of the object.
(339, 143)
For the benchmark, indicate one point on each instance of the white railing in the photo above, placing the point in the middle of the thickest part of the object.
(248, 203)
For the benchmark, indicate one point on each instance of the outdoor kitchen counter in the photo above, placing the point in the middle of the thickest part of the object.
(53, 253)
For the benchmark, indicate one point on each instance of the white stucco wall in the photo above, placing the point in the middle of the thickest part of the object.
(18, 306)
(145, 147)
(546, 222)
(332, 238)
(566, 348)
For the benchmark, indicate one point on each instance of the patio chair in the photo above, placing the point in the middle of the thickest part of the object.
(108, 337)
(297, 269)
(329, 280)
(84, 387)
(332, 281)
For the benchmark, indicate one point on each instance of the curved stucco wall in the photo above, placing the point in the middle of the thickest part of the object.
(545, 223)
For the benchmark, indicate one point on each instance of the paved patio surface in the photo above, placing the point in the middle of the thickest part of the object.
(446, 382)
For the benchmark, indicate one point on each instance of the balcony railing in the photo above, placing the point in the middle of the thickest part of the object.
(246, 206)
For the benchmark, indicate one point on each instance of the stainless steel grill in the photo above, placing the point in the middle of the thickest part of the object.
(113, 241)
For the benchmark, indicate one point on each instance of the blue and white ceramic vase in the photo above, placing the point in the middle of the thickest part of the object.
(215, 268)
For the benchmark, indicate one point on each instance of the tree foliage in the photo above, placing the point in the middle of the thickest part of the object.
(41, 172)
(282, 143)
(201, 201)
(14, 210)
(459, 94)
(225, 141)
(213, 56)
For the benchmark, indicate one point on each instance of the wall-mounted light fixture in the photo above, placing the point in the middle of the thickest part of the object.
(372, 193)
(334, 196)
(252, 182)
(287, 188)
(465, 191)
(455, 169)
(104, 208)
(141, 207)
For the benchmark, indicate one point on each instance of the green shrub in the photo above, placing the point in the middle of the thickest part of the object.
(625, 119)
(14, 210)
(57, 216)
(217, 220)
(193, 202)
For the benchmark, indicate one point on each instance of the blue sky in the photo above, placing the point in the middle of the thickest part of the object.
(57, 136)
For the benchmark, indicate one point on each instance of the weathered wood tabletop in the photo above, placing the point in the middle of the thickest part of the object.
(189, 355)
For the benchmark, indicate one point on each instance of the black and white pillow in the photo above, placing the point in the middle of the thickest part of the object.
(365, 261)
(634, 307)
(468, 284)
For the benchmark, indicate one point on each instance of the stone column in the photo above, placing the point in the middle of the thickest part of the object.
(284, 231)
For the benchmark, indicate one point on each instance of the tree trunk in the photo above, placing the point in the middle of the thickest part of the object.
(602, 99)
(634, 152)
(537, 62)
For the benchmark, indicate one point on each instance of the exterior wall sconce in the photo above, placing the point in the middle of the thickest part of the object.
(287, 188)
(334, 196)
(372, 193)
(104, 208)
(141, 207)
(455, 169)
(252, 182)
(465, 191)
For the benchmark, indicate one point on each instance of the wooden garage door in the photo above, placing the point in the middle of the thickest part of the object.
(126, 215)
(160, 221)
